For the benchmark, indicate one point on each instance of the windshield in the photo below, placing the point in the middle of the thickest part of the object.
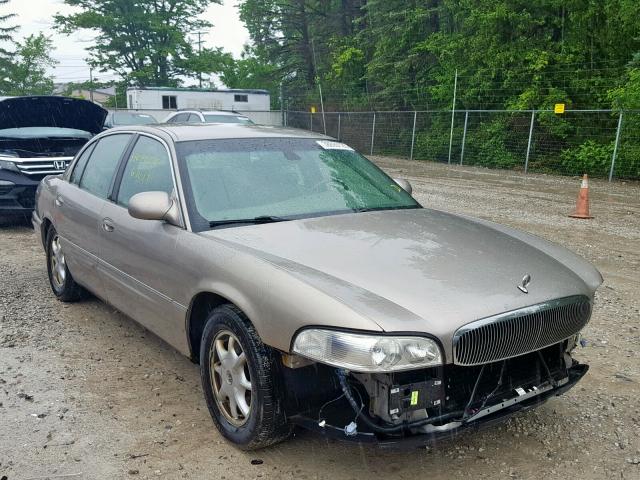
(43, 132)
(213, 118)
(236, 179)
(128, 118)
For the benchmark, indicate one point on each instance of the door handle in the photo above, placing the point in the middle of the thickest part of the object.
(107, 225)
(59, 201)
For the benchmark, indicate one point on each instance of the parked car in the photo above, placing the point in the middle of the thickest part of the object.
(311, 288)
(208, 116)
(39, 136)
(122, 118)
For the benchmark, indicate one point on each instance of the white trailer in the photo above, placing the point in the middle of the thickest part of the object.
(166, 98)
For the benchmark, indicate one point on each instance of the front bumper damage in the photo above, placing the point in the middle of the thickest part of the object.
(471, 399)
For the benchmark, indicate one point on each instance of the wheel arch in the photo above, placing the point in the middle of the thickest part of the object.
(199, 308)
(44, 228)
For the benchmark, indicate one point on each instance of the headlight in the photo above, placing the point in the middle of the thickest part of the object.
(8, 165)
(367, 352)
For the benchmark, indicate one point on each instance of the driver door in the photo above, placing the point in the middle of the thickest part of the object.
(137, 254)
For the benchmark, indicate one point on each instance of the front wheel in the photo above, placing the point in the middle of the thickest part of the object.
(62, 283)
(240, 378)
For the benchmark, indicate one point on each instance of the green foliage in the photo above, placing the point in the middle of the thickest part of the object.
(7, 46)
(590, 157)
(251, 72)
(6, 31)
(145, 42)
(491, 147)
(393, 54)
(508, 55)
(204, 62)
(28, 71)
(627, 95)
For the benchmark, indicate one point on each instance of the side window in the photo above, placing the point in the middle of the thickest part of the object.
(180, 118)
(148, 170)
(103, 163)
(80, 164)
(169, 101)
(241, 98)
(193, 118)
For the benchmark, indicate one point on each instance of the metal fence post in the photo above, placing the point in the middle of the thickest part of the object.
(615, 147)
(311, 122)
(464, 135)
(526, 160)
(453, 113)
(413, 134)
(339, 126)
(373, 131)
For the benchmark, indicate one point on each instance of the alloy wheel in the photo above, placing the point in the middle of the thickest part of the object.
(58, 263)
(230, 378)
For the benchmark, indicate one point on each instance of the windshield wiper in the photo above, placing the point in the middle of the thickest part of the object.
(376, 209)
(254, 220)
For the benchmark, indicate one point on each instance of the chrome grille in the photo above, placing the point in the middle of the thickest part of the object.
(520, 331)
(42, 165)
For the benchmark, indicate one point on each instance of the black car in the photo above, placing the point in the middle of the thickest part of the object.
(39, 136)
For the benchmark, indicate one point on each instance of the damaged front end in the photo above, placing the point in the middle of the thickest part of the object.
(426, 404)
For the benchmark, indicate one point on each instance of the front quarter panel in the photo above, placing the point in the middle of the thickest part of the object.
(277, 303)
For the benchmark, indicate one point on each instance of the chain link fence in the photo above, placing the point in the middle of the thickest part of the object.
(601, 143)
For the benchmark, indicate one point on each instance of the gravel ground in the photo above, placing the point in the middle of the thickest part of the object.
(87, 393)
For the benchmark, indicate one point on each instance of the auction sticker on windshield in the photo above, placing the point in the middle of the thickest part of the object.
(328, 145)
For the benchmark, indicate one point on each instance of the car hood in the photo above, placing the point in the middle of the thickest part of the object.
(44, 111)
(418, 270)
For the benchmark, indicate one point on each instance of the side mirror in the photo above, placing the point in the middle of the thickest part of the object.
(154, 206)
(404, 184)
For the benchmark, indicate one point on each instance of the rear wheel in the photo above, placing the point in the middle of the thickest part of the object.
(240, 378)
(62, 283)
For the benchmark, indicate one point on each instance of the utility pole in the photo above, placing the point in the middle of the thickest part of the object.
(282, 102)
(200, 42)
(91, 84)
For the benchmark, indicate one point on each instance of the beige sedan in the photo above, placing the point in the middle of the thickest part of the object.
(311, 288)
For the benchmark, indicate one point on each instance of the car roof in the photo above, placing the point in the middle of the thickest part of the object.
(182, 132)
(217, 112)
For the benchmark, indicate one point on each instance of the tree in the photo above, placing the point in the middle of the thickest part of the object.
(249, 71)
(204, 62)
(28, 72)
(296, 38)
(7, 44)
(142, 40)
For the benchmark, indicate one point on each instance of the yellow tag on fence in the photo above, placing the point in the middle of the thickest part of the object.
(414, 398)
(313, 109)
(558, 108)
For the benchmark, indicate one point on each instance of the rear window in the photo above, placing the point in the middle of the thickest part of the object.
(214, 118)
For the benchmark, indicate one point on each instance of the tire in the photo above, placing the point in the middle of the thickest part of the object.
(62, 283)
(265, 422)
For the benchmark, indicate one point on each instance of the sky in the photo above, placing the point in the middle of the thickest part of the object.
(35, 16)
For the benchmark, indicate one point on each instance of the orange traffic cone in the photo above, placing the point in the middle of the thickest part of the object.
(582, 204)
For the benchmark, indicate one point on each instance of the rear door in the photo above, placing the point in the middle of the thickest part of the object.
(79, 203)
(138, 255)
